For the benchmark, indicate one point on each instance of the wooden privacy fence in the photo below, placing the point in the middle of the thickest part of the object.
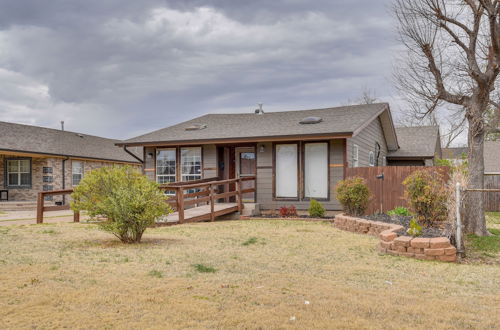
(388, 192)
(491, 198)
(41, 208)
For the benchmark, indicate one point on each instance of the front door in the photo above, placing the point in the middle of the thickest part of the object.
(245, 167)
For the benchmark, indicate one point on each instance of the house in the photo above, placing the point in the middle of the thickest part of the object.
(295, 155)
(418, 146)
(492, 157)
(457, 155)
(34, 159)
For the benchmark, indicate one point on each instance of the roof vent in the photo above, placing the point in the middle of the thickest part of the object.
(79, 135)
(196, 127)
(311, 120)
(259, 111)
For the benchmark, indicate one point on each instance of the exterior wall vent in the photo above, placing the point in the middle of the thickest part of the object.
(196, 127)
(311, 120)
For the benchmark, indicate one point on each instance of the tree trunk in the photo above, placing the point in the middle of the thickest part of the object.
(474, 221)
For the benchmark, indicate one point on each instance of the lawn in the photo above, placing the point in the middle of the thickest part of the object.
(486, 249)
(232, 274)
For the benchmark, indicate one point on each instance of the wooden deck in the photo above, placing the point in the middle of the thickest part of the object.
(200, 213)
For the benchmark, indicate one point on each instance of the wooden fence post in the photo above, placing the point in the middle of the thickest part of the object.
(212, 203)
(238, 190)
(180, 203)
(39, 207)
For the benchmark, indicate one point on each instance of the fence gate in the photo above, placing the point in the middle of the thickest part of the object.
(386, 183)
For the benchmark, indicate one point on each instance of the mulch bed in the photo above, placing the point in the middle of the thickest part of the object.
(277, 216)
(405, 222)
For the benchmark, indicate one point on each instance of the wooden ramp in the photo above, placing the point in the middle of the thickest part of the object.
(200, 213)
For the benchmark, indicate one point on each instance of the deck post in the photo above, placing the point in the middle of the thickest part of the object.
(238, 190)
(212, 202)
(76, 216)
(39, 207)
(180, 203)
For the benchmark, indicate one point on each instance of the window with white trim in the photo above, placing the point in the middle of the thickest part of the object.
(371, 158)
(18, 173)
(316, 170)
(286, 171)
(190, 163)
(166, 165)
(355, 155)
(76, 172)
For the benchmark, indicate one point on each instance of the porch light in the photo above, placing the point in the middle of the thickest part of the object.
(262, 148)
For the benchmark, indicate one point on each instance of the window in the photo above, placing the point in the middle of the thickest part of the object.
(48, 179)
(19, 173)
(165, 165)
(286, 171)
(190, 164)
(76, 171)
(371, 158)
(47, 170)
(316, 170)
(355, 155)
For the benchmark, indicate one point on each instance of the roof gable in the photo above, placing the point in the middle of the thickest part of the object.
(417, 141)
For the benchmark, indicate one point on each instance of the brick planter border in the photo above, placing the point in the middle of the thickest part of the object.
(438, 248)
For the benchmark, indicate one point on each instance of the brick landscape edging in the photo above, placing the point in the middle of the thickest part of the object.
(438, 248)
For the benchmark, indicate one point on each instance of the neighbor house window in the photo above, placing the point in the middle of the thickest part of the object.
(166, 165)
(355, 155)
(316, 170)
(371, 158)
(190, 164)
(18, 173)
(286, 171)
(76, 171)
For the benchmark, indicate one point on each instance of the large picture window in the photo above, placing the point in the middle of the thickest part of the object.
(18, 173)
(190, 163)
(316, 170)
(77, 172)
(165, 165)
(286, 171)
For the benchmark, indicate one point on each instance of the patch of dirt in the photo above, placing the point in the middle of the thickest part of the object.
(405, 222)
(277, 216)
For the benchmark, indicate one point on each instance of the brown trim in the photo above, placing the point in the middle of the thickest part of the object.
(277, 138)
(149, 170)
(335, 165)
(210, 169)
(35, 154)
(303, 170)
(275, 198)
(264, 167)
(409, 157)
(344, 146)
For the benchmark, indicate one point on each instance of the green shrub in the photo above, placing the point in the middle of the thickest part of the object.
(415, 229)
(316, 209)
(426, 196)
(204, 269)
(354, 195)
(128, 200)
(399, 211)
(251, 240)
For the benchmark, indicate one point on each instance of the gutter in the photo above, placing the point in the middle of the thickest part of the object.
(132, 154)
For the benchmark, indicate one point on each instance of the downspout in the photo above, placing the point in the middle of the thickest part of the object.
(132, 154)
(64, 178)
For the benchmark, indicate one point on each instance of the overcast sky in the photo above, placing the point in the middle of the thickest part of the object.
(120, 68)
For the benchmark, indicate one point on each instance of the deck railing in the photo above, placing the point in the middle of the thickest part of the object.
(206, 191)
(41, 208)
(200, 192)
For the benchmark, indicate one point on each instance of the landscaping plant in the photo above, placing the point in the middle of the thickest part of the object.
(128, 200)
(290, 211)
(316, 209)
(426, 196)
(399, 211)
(354, 195)
(415, 229)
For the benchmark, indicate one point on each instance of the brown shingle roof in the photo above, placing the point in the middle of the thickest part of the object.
(41, 140)
(492, 156)
(338, 120)
(454, 153)
(417, 141)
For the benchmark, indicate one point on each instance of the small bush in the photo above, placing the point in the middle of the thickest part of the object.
(316, 209)
(251, 240)
(290, 211)
(354, 195)
(426, 196)
(204, 269)
(415, 229)
(127, 199)
(399, 211)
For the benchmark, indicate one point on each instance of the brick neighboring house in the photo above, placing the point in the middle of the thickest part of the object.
(418, 146)
(34, 159)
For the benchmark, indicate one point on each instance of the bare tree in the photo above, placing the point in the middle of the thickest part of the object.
(367, 96)
(453, 56)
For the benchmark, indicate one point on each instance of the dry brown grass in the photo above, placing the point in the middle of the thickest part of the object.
(73, 275)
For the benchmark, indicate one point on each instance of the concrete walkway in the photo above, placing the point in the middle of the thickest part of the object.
(8, 218)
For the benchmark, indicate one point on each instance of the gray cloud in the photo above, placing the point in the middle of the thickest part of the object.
(121, 68)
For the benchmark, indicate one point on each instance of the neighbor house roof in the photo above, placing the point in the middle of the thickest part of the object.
(492, 156)
(454, 153)
(341, 121)
(416, 142)
(40, 140)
